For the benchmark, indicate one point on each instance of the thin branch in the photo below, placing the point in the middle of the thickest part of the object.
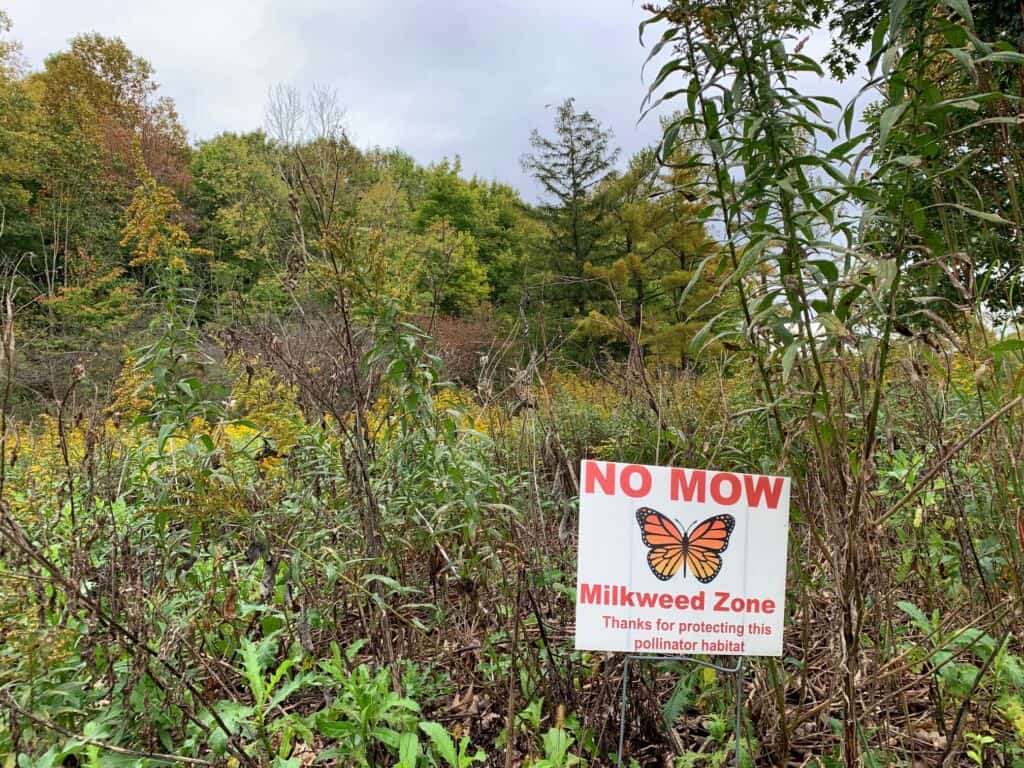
(52, 726)
(947, 456)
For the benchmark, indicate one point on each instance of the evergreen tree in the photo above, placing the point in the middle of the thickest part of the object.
(569, 167)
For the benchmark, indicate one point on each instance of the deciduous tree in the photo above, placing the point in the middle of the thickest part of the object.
(662, 264)
(156, 239)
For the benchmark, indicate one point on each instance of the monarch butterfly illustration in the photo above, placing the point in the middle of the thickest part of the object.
(699, 550)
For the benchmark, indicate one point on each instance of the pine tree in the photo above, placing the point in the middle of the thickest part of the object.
(568, 168)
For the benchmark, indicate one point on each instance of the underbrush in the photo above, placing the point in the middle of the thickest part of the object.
(192, 571)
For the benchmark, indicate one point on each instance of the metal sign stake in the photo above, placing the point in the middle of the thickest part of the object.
(736, 670)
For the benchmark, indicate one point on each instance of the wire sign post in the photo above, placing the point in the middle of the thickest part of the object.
(675, 563)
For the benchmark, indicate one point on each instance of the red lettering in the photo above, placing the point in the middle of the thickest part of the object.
(665, 600)
(769, 488)
(592, 476)
(590, 594)
(687, 486)
(645, 599)
(628, 486)
(726, 603)
(716, 488)
(682, 602)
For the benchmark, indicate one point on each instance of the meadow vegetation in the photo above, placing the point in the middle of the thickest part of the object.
(292, 428)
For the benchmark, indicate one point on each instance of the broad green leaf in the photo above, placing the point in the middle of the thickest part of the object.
(339, 730)
(283, 692)
(963, 57)
(351, 651)
(556, 743)
(788, 358)
(408, 750)
(877, 44)
(466, 759)
(888, 120)
(166, 430)
(668, 142)
(442, 742)
(682, 696)
(917, 615)
(1006, 346)
(992, 218)
(387, 736)
(827, 268)
(1004, 57)
(253, 669)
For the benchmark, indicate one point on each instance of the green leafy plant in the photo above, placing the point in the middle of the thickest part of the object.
(976, 745)
(367, 718)
(270, 686)
(443, 747)
(556, 743)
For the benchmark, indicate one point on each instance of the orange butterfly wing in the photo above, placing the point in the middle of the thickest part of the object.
(666, 541)
(705, 545)
(699, 552)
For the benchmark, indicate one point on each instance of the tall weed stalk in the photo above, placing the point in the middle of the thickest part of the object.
(821, 226)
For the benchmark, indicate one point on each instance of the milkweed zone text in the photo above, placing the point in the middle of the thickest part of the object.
(724, 602)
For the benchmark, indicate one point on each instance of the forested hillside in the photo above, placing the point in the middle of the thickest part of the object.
(292, 426)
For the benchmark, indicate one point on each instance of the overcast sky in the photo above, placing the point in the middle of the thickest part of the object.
(434, 77)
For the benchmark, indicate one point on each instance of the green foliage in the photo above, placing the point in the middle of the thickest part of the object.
(241, 203)
(569, 167)
(976, 751)
(16, 114)
(557, 743)
(269, 687)
(777, 177)
(663, 265)
(444, 747)
(390, 267)
(449, 197)
(453, 279)
(96, 306)
(155, 238)
(366, 715)
(281, 471)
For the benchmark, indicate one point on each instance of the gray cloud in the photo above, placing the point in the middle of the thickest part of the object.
(466, 77)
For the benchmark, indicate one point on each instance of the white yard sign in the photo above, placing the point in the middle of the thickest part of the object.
(681, 561)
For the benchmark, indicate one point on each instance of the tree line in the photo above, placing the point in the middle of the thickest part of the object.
(104, 200)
